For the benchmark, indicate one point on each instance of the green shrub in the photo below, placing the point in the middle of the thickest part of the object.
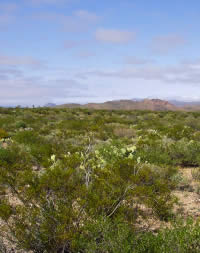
(83, 194)
(41, 152)
(185, 153)
(57, 201)
(7, 156)
(178, 132)
(21, 124)
(196, 174)
(3, 134)
(27, 137)
(104, 235)
(180, 239)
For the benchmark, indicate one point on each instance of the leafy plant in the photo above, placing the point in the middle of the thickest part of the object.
(3, 134)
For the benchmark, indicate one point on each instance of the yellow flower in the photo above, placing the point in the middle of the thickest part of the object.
(53, 158)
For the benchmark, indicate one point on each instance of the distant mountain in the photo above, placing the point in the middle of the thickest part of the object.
(145, 104)
(184, 103)
(137, 99)
(50, 105)
(72, 105)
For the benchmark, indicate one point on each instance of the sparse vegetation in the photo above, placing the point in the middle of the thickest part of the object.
(83, 180)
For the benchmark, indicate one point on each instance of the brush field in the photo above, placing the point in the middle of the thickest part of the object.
(99, 181)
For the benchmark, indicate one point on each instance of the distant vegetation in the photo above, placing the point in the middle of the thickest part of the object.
(84, 180)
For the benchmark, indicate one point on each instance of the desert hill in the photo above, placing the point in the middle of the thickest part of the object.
(146, 104)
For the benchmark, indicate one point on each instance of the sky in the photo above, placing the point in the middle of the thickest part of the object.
(79, 51)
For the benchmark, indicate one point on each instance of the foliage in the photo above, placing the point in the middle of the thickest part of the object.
(55, 202)
(21, 124)
(104, 235)
(181, 238)
(3, 134)
(196, 174)
(73, 180)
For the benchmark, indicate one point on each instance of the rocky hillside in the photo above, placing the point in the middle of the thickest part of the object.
(146, 104)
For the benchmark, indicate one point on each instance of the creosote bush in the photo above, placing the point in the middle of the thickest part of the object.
(76, 180)
(56, 202)
(3, 134)
(179, 238)
(21, 124)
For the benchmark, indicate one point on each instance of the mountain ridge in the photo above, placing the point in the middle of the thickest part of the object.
(145, 104)
(153, 104)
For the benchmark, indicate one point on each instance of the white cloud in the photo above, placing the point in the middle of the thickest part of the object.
(114, 35)
(10, 72)
(7, 13)
(79, 21)
(132, 60)
(68, 44)
(86, 15)
(28, 91)
(165, 44)
(184, 78)
(20, 60)
(182, 73)
(43, 2)
(85, 54)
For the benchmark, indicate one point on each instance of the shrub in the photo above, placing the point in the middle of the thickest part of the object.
(180, 238)
(41, 152)
(124, 132)
(62, 191)
(21, 124)
(3, 134)
(178, 132)
(27, 137)
(185, 153)
(8, 156)
(196, 174)
(104, 235)
(57, 202)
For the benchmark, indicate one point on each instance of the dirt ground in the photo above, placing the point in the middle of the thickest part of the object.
(188, 195)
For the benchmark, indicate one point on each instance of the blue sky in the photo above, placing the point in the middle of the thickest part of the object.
(92, 51)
